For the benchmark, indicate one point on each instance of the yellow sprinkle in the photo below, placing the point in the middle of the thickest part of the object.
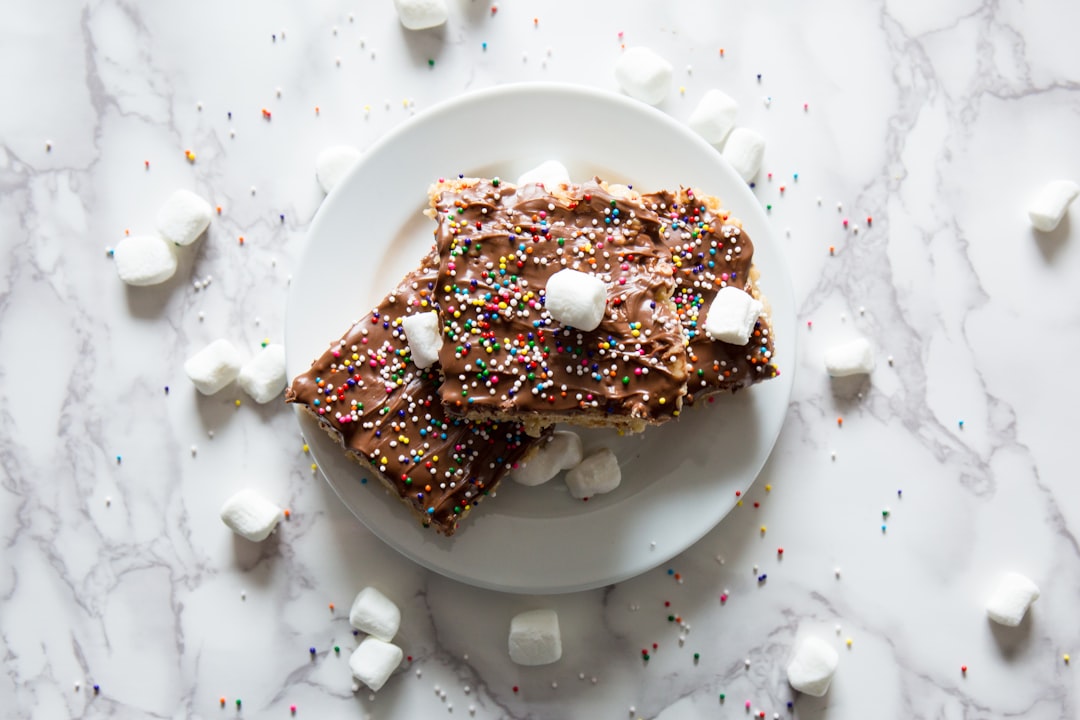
(663, 401)
(768, 488)
(189, 155)
(237, 403)
(682, 89)
(435, 458)
(314, 467)
(848, 642)
(384, 461)
(1065, 657)
(306, 448)
(763, 528)
(738, 503)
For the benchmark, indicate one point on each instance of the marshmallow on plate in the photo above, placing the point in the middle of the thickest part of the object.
(425, 340)
(732, 316)
(812, 667)
(550, 174)
(714, 116)
(562, 452)
(744, 151)
(183, 217)
(599, 473)
(421, 14)
(332, 164)
(374, 661)
(1011, 599)
(214, 367)
(644, 75)
(250, 515)
(144, 260)
(576, 299)
(855, 357)
(535, 638)
(1051, 203)
(263, 376)
(374, 613)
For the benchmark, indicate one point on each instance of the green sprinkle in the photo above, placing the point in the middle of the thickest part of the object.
(671, 618)
(495, 181)
(626, 380)
(561, 242)
(238, 702)
(337, 649)
(697, 656)
(722, 696)
(430, 63)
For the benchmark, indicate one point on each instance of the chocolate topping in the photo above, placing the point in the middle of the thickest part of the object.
(387, 413)
(504, 356)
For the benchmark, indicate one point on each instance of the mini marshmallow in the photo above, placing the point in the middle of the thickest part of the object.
(374, 661)
(811, 669)
(421, 14)
(550, 174)
(744, 151)
(1051, 203)
(1011, 599)
(332, 164)
(263, 376)
(714, 117)
(250, 515)
(597, 474)
(425, 340)
(184, 217)
(732, 316)
(855, 357)
(576, 299)
(535, 638)
(644, 75)
(374, 613)
(562, 452)
(214, 367)
(144, 260)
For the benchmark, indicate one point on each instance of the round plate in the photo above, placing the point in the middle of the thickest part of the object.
(679, 479)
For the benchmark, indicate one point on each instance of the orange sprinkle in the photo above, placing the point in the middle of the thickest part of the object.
(266, 113)
(287, 514)
(241, 239)
(331, 607)
(189, 155)
(832, 250)
(126, 231)
(840, 422)
(218, 208)
(222, 700)
(316, 109)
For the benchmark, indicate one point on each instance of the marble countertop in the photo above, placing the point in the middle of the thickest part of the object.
(939, 120)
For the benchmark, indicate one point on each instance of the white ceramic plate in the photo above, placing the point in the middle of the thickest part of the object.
(679, 479)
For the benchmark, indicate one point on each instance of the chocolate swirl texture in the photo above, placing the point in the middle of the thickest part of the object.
(386, 411)
(505, 357)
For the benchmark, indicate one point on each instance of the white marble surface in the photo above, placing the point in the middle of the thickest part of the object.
(937, 119)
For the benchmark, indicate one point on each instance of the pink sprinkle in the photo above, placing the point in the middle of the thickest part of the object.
(723, 597)
(747, 704)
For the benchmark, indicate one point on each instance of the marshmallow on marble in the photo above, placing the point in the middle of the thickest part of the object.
(732, 316)
(1051, 203)
(744, 151)
(214, 367)
(421, 14)
(550, 174)
(374, 661)
(535, 638)
(375, 614)
(1011, 599)
(576, 299)
(425, 339)
(562, 452)
(644, 75)
(144, 260)
(811, 669)
(263, 376)
(855, 357)
(714, 116)
(184, 217)
(597, 474)
(250, 515)
(333, 163)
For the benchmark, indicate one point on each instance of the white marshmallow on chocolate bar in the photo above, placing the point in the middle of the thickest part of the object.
(214, 367)
(855, 357)
(744, 151)
(144, 260)
(550, 174)
(1011, 599)
(812, 668)
(732, 316)
(1051, 203)
(332, 164)
(184, 217)
(644, 75)
(535, 638)
(576, 299)
(562, 452)
(714, 116)
(250, 515)
(374, 661)
(375, 614)
(597, 474)
(425, 339)
(421, 14)
(263, 376)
